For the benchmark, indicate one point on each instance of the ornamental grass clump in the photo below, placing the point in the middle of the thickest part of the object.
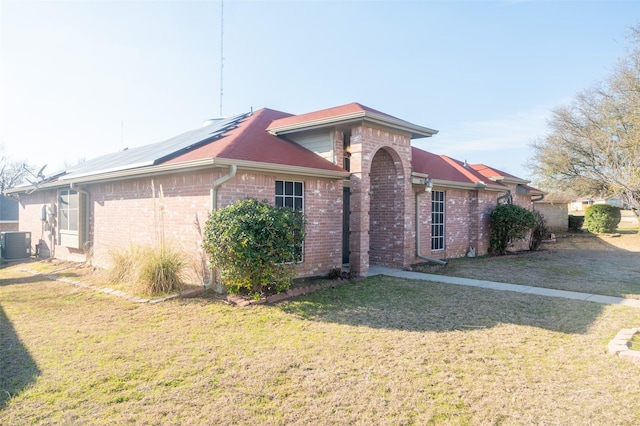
(255, 245)
(161, 271)
(148, 270)
(124, 264)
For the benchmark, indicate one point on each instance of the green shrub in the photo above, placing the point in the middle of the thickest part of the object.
(575, 223)
(602, 218)
(509, 222)
(539, 231)
(254, 245)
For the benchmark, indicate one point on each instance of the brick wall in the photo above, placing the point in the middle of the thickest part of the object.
(366, 143)
(386, 236)
(8, 226)
(467, 222)
(556, 216)
(29, 218)
(134, 212)
(487, 201)
(522, 200)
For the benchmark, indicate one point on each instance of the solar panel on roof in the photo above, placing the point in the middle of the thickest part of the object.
(155, 153)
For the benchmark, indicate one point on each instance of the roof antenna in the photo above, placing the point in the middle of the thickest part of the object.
(221, 49)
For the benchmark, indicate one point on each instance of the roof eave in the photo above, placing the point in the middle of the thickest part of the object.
(529, 191)
(508, 179)
(163, 169)
(467, 185)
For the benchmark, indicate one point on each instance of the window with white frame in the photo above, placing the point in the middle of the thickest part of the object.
(437, 220)
(71, 211)
(291, 194)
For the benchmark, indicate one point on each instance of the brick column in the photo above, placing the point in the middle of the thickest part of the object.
(359, 217)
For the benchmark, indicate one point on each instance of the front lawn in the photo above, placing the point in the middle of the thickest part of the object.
(599, 264)
(379, 351)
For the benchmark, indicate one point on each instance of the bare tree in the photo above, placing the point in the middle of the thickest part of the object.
(12, 173)
(593, 144)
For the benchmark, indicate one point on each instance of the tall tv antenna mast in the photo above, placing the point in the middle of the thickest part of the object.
(221, 49)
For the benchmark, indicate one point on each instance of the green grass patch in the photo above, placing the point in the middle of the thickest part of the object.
(378, 351)
(635, 342)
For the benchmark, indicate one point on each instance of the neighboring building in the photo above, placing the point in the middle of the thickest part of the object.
(554, 208)
(582, 204)
(368, 195)
(8, 214)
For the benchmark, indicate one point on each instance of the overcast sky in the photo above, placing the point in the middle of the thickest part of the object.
(80, 79)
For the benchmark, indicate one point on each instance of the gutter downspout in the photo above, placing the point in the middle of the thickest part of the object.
(216, 184)
(214, 206)
(506, 197)
(418, 254)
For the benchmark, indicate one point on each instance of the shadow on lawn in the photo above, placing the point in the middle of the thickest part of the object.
(583, 263)
(22, 280)
(17, 368)
(401, 304)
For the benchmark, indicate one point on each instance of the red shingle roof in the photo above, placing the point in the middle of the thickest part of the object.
(441, 167)
(343, 114)
(491, 173)
(251, 142)
(339, 111)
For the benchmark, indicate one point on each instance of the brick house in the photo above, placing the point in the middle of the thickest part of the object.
(370, 198)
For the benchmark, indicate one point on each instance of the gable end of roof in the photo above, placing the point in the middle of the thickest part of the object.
(345, 114)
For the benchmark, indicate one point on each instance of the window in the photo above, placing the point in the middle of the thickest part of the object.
(68, 208)
(437, 220)
(291, 194)
(71, 210)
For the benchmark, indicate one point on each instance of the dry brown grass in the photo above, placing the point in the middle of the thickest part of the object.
(608, 265)
(380, 351)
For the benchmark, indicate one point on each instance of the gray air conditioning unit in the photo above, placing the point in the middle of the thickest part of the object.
(15, 245)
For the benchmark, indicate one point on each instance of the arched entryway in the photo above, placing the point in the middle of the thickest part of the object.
(387, 209)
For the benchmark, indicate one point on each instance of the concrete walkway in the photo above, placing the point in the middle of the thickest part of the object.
(540, 291)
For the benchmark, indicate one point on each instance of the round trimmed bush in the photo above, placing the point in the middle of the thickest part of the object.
(602, 218)
(255, 245)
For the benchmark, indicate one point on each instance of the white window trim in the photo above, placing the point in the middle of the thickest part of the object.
(440, 238)
(72, 238)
